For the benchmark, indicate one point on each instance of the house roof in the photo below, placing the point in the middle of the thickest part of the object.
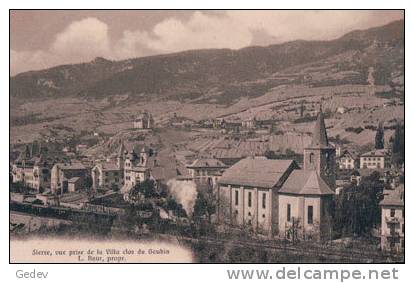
(377, 152)
(227, 153)
(110, 166)
(144, 115)
(71, 166)
(305, 182)
(254, 172)
(207, 162)
(394, 197)
(353, 155)
(158, 173)
(137, 148)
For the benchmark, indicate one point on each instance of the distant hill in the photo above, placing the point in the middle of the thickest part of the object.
(192, 74)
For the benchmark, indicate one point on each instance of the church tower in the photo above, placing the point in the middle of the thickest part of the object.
(320, 155)
(121, 157)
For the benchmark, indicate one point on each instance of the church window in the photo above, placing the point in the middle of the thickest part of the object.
(288, 213)
(310, 214)
(392, 212)
(236, 198)
(249, 200)
(263, 200)
(311, 158)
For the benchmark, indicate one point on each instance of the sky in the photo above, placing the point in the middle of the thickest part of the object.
(42, 39)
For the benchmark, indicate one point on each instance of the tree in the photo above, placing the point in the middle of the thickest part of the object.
(292, 233)
(175, 207)
(88, 182)
(379, 137)
(398, 145)
(357, 208)
(203, 207)
(146, 189)
(19, 187)
(302, 108)
(114, 187)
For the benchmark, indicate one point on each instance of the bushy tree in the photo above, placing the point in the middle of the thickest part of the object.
(146, 189)
(88, 182)
(398, 145)
(357, 208)
(175, 207)
(379, 137)
(19, 187)
(203, 207)
(302, 108)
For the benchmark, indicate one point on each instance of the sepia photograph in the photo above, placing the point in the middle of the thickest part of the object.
(207, 136)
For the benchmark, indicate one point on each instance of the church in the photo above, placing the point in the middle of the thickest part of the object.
(277, 198)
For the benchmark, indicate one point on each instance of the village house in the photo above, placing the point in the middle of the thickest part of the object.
(144, 121)
(107, 176)
(137, 167)
(338, 150)
(341, 110)
(249, 123)
(31, 169)
(274, 196)
(206, 170)
(376, 159)
(393, 220)
(110, 175)
(218, 123)
(347, 161)
(232, 126)
(61, 174)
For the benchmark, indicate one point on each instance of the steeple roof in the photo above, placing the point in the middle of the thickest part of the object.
(319, 137)
(121, 150)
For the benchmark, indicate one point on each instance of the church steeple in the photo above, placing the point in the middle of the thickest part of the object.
(319, 137)
(320, 155)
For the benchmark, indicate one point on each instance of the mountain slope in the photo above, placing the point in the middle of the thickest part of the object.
(191, 74)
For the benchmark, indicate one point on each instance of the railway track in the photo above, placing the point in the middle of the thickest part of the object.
(333, 254)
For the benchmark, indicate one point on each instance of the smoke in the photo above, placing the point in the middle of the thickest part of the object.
(184, 192)
(371, 78)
